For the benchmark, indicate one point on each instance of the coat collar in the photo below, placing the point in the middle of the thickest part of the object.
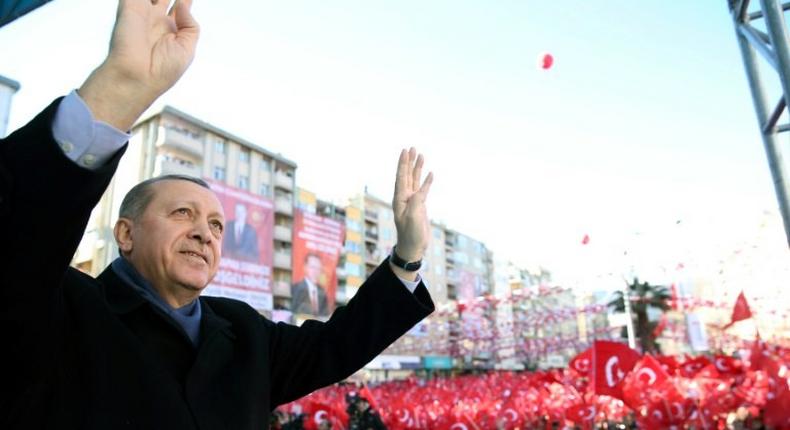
(121, 298)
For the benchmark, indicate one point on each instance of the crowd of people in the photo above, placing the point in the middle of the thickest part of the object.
(747, 390)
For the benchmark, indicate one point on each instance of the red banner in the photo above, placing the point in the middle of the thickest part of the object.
(317, 245)
(245, 271)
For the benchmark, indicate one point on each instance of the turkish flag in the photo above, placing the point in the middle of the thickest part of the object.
(510, 416)
(778, 395)
(775, 414)
(368, 395)
(611, 362)
(403, 417)
(655, 417)
(648, 372)
(702, 418)
(692, 366)
(581, 414)
(727, 365)
(741, 310)
(759, 354)
(315, 412)
(582, 363)
(586, 239)
(646, 380)
(668, 363)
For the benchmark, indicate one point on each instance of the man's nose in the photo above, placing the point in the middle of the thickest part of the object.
(202, 232)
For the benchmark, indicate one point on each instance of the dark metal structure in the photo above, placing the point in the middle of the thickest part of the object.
(13, 9)
(773, 46)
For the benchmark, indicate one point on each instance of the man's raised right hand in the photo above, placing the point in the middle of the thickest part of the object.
(150, 49)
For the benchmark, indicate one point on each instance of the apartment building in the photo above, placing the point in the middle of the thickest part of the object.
(173, 142)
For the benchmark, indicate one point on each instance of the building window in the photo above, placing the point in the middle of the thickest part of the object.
(244, 155)
(264, 191)
(219, 173)
(219, 146)
(353, 269)
(353, 247)
(353, 225)
(244, 182)
(177, 160)
(265, 165)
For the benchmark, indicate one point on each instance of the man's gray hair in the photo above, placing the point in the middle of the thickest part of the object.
(137, 199)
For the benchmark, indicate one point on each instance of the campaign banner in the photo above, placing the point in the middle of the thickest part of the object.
(317, 246)
(474, 324)
(245, 271)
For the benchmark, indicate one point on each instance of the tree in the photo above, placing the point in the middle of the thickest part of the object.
(643, 296)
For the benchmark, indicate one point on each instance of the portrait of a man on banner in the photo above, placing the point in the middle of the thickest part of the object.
(318, 243)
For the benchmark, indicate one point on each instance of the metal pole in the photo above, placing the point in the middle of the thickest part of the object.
(781, 59)
(629, 328)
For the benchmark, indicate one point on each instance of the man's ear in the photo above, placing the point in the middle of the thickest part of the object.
(123, 235)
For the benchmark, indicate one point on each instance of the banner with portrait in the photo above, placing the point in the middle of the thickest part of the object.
(245, 271)
(317, 246)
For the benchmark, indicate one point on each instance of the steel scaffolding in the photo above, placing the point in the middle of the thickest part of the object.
(773, 46)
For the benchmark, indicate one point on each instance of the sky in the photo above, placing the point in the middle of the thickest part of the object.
(642, 135)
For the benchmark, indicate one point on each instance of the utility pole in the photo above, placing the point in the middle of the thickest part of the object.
(630, 325)
(773, 47)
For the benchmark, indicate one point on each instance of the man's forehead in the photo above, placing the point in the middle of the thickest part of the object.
(172, 191)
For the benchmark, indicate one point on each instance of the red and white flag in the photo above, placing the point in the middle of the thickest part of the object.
(741, 311)
(581, 414)
(611, 362)
(582, 363)
(648, 373)
(727, 365)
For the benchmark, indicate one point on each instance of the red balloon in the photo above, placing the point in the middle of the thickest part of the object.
(546, 61)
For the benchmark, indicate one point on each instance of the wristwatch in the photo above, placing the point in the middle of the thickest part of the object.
(412, 266)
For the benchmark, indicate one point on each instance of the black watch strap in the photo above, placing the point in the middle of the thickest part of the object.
(411, 266)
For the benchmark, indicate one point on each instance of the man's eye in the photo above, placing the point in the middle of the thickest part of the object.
(182, 211)
(217, 226)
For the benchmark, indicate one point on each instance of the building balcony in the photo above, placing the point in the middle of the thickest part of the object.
(282, 259)
(171, 166)
(182, 142)
(371, 237)
(283, 233)
(372, 217)
(283, 206)
(281, 289)
(373, 257)
(283, 181)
